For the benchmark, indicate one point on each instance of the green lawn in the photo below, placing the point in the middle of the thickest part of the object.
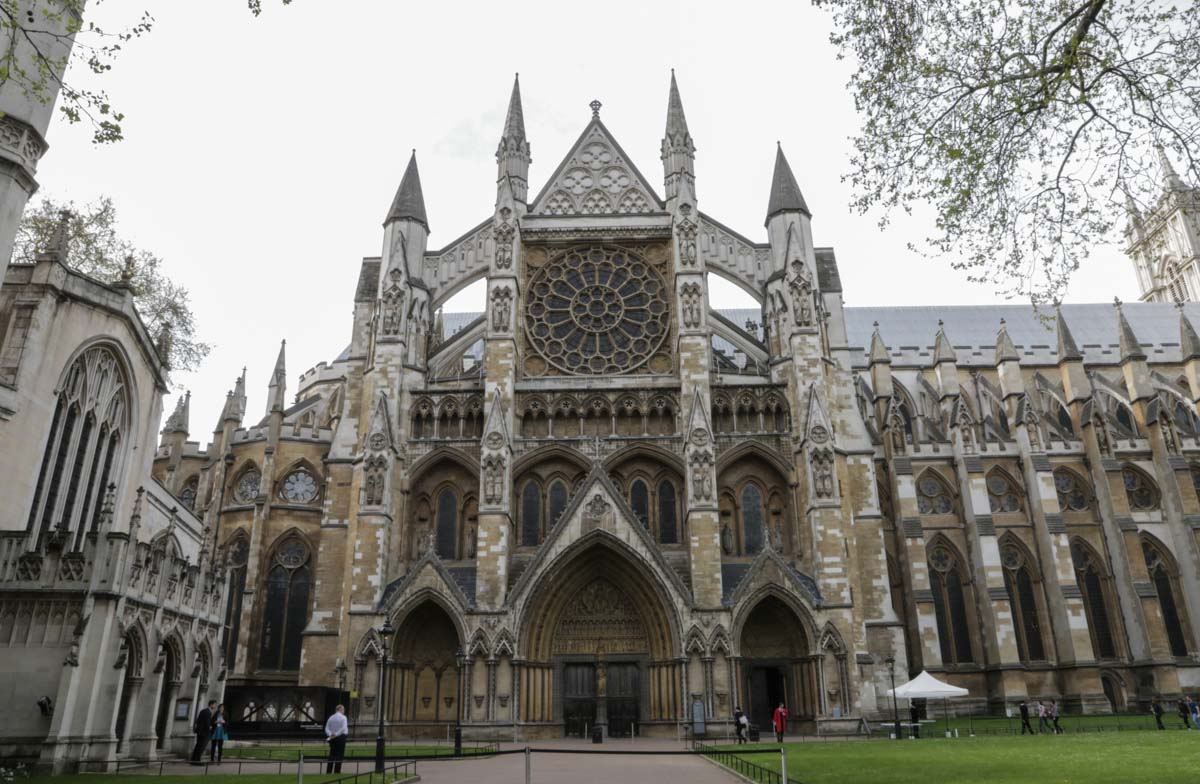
(1071, 724)
(356, 751)
(1082, 758)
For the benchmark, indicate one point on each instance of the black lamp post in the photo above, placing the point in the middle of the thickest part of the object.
(339, 670)
(891, 663)
(460, 658)
(385, 632)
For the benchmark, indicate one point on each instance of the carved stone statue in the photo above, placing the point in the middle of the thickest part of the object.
(687, 243)
(726, 539)
(822, 472)
(775, 534)
(1168, 434)
(501, 309)
(493, 479)
(1102, 437)
(504, 245)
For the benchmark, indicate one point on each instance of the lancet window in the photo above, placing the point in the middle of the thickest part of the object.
(1073, 493)
(946, 577)
(236, 555)
(933, 496)
(285, 610)
(83, 451)
(1093, 584)
(1022, 597)
(1162, 574)
(1003, 494)
(1142, 494)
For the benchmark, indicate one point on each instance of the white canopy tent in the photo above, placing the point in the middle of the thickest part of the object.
(927, 687)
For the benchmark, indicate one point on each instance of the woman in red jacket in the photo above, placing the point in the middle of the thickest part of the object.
(779, 722)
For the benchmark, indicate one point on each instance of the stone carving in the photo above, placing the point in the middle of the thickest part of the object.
(699, 437)
(691, 297)
(374, 480)
(726, 539)
(701, 463)
(600, 617)
(822, 473)
(597, 508)
(686, 232)
(819, 434)
(501, 308)
(595, 179)
(494, 440)
(493, 479)
(392, 318)
(1168, 435)
(775, 537)
(1102, 436)
(801, 288)
(21, 140)
(504, 243)
(377, 441)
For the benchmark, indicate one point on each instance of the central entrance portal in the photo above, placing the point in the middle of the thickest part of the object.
(579, 699)
(601, 692)
(624, 693)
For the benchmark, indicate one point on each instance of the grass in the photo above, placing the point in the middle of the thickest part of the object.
(364, 751)
(989, 725)
(1080, 758)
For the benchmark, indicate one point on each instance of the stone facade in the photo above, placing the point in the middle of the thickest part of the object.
(110, 598)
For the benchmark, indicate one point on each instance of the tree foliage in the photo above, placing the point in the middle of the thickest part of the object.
(93, 247)
(43, 40)
(1023, 122)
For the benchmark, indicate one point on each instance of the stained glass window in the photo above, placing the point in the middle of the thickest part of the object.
(447, 524)
(639, 501)
(285, 611)
(1142, 494)
(932, 496)
(246, 489)
(1072, 495)
(667, 533)
(752, 519)
(531, 514)
(950, 607)
(558, 500)
(299, 487)
(1002, 494)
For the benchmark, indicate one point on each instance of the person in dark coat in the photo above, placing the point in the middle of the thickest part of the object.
(203, 727)
(1025, 725)
(1182, 708)
(914, 717)
(1157, 709)
(739, 724)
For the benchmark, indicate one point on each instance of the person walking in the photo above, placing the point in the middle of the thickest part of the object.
(337, 730)
(740, 723)
(1043, 717)
(1025, 725)
(779, 722)
(203, 729)
(1194, 711)
(1157, 709)
(219, 735)
(1182, 709)
(914, 718)
(1058, 730)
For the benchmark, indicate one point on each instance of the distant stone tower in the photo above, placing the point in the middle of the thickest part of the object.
(24, 117)
(1164, 243)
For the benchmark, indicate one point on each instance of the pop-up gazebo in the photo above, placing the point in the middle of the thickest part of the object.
(927, 687)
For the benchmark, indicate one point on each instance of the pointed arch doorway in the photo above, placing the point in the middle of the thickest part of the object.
(777, 665)
(600, 649)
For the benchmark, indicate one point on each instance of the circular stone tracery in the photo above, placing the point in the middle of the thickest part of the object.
(597, 311)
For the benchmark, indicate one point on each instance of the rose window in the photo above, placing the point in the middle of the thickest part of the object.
(299, 487)
(246, 488)
(597, 311)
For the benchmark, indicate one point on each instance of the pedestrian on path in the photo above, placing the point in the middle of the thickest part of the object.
(219, 735)
(1182, 709)
(1157, 709)
(914, 717)
(1194, 710)
(779, 722)
(740, 724)
(1025, 725)
(1043, 717)
(337, 730)
(1058, 730)
(203, 729)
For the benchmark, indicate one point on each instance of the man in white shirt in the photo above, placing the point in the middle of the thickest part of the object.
(337, 730)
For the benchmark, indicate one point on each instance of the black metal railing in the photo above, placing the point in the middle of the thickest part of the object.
(395, 772)
(737, 762)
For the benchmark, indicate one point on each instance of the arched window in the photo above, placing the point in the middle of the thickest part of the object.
(1003, 495)
(447, 524)
(1091, 581)
(531, 514)
(1196, 479)
(299, 487)
(285, 611)
(245, 488)
(667, 513)
(1184, 417)
(188, 494)
(1141, 492)
(1018, 582)
(1177, 283)
(1063, 417)
(82, 453)
(1125, 417)
(235, 558)
(933, 497)
(950, 606)
(1157, 564)
(558, 501)
(752, 519)
(1072, 492)
(639, 501)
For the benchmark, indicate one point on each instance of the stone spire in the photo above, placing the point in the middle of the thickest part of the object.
(1189, 341)
(1130, 347)
(942, 350)
(1067, 349)
(409, 203)
(678, 151)
(235, 401)
(513, 153)
(879, 353)
(276, 391)
(178, 421)
(785, 193)
(1005, 350)
(1171, 179)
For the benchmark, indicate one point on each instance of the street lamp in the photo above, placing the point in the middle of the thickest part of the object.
(891, 663)
(339, 671)
(460, 658)
(385, 632)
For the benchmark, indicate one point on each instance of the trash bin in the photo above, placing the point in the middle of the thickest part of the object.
(597, 734)
(754, 736)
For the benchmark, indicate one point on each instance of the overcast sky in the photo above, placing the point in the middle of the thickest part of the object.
(261, 155)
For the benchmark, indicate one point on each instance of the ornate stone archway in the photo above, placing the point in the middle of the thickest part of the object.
(777, 663)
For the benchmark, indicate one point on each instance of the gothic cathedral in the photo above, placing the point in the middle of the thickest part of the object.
(603, 503)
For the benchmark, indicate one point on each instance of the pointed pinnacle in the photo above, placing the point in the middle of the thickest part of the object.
(1170, 177)
(1067, 348)
(942, 350)
(879, 353)
(1131, 349)
(409, 203)
(676, 120)
(514, 122)
(785, 193)
(1005, 350)
(1189, 341)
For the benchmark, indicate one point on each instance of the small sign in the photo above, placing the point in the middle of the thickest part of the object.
(183, 710)
(698, 718)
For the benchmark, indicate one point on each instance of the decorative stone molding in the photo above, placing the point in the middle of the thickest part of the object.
(20, 142)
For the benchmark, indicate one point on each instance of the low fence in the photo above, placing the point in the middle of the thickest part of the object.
(737, 762)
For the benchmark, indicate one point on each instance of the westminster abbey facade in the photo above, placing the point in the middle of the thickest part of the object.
(601, 502)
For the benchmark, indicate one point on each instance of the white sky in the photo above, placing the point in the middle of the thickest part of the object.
(261, 155)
